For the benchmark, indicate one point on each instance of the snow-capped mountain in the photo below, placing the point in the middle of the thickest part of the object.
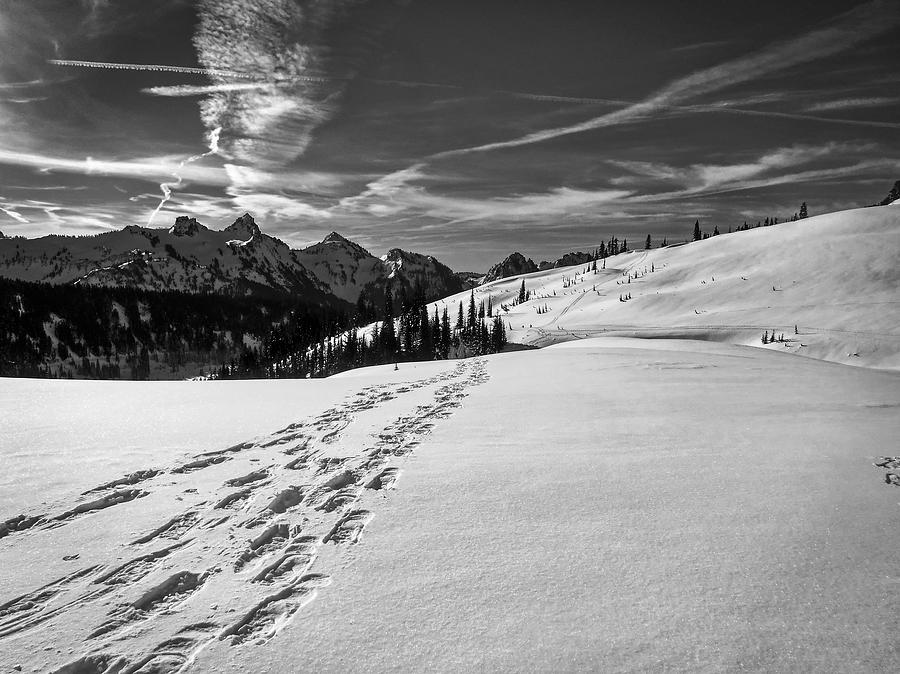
(567, 260)
(412, 270)
(191, 257)
(188, 257)
(513, 265)
(348, 270)
(516, 264)
(343, 266)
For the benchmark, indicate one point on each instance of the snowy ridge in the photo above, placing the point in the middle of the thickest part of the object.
(186, 257)
(190, 257)
(833, 276)
(342, 265)
(350, 270)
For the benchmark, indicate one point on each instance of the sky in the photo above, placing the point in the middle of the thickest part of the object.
(465, 129)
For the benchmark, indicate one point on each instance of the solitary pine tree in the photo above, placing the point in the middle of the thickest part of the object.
(697, 234)
(522, 295)
(648, 244)
(803, 211)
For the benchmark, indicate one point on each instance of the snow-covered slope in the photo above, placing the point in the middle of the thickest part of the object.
(415, 270)
(342, 265)
(188, 257)
(833, 276)
(602, 505)
(349, 269)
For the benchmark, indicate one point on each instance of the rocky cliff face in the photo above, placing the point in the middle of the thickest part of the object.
(414, 270)
(513, 265)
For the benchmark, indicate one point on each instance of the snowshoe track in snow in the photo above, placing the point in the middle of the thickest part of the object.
(259, 534)
(891, 463)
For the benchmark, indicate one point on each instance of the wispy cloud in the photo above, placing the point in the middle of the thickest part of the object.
(272, 206)
(187, 90)
(151, 169)
(776, 165)
(849, 29)
(15, 215)
(848, 103)
(285, 46)
(740, 182)
(696, 46)
(397, 194)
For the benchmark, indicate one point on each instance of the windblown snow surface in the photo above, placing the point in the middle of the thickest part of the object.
(605, 504)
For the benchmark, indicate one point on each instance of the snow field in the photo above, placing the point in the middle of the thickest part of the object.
(606, 504)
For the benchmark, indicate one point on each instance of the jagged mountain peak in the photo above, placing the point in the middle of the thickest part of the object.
(244, 226)
(334, 237)
(191, 257)
(185, 226)
(336, 241)
(513, 265)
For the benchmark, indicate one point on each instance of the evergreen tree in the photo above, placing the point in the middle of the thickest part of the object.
(388, 333)
(522, 296)
(716, 231)
(803, 211)
(648, 244)
(436, 335)
(445, 334)
(697, 233)
(498, 335)
(426, 343)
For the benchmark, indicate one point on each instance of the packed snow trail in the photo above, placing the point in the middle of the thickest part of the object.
(246, 537)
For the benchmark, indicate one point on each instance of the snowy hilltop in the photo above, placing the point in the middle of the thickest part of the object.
(827, 284)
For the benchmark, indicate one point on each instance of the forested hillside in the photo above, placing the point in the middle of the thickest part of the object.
(98, 332)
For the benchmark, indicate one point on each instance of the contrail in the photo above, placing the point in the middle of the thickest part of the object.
(198, 91)
(152, 67)
(213, 72)
(167, 187)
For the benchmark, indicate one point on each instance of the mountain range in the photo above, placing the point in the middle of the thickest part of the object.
(239, 259)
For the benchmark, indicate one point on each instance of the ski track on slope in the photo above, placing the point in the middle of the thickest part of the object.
(256, 541)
